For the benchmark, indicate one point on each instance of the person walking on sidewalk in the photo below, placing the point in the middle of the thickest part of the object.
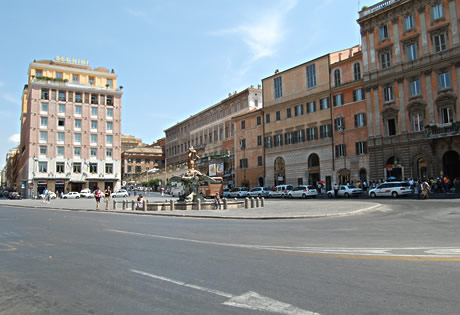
(97, 196)
(107, 197)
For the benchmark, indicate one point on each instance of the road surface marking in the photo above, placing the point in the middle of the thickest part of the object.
(402, 253)
(8, 248)
(248, 300)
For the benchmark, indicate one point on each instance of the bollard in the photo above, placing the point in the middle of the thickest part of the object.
(144, 205)
(262, 201)
(198, 204)
(257, 202)
(114, 205)
(133, 207)
(225, 203)
(171, 203)
(252, 202)
(123, 206)
(246, 203)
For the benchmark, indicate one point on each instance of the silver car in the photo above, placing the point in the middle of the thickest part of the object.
(391, 189)
(258, 192)
(303, 191)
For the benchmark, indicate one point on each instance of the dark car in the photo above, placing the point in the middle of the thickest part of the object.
(14, 195)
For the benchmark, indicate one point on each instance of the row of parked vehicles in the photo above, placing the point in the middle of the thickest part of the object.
(85, 193)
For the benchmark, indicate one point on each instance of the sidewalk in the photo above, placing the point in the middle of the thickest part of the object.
(273, 209)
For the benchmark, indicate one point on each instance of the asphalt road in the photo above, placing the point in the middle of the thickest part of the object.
(401, 260)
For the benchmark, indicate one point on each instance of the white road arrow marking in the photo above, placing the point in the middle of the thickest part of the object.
(250, 300)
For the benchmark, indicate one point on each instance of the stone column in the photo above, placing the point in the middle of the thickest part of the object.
(425, 49)
(372, 49)
(396, 40)
(377, 110)
(429, 95)
(370, 120)
(457, 68)
(453, 22)
(364, 49)
(402, 105)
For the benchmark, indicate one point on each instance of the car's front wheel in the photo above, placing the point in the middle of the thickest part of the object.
(373, 195)
(347, 195)
(304, 196)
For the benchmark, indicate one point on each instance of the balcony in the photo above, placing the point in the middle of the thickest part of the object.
(442, 130)
(376, 7)
(66, 83)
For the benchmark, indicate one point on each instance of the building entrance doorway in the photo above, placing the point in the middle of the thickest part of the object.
(421, 168)
(344, 176)
(314, 175)
(393, 169)
(280, 171)
(451, 164)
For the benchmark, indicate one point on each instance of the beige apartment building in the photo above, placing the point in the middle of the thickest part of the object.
(211, 132)
(70, 128)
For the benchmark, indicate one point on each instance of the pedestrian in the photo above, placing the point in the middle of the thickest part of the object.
(336, 190)
(217, 201)
(97, 196)
(45, 192)
(425, 190)
(107, 197)
(140, 202)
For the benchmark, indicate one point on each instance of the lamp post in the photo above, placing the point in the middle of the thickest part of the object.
(243, 147)
(342, 131)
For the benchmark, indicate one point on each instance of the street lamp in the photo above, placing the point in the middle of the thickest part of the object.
(341, 129)
(243, 147)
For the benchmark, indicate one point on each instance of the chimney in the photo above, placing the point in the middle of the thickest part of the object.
(277, 71)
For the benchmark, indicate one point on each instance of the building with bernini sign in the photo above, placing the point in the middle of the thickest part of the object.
(70, 128)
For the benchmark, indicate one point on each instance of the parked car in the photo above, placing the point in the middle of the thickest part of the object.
(86, 193)
(14, 195)
(281, 191)
(303, 191)
(226, 193)
(239, 192)
(346, 191)
(391, 189)
(258, 192)
(120, 194)
(71, 195)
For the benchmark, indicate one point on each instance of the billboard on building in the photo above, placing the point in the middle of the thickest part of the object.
(212, 169)
(220, 169)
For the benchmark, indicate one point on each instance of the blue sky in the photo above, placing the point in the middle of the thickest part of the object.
(173, 58)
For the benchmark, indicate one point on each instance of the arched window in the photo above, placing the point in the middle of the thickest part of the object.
(337, 77)
(357, 71)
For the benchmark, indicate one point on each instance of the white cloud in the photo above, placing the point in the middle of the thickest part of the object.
(15, 138)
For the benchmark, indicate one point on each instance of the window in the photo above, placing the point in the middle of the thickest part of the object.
(338, 99)
(311, 76)
(409, 22)
(93, 111)
(267, 118)
(444, 80)
(440, 42)
(138, 169)
(76, 167)
(76, 151)
(243, 124)
(288, 113)
(60, 151)
(411, 52)
(288, 138)
(243, 144)
(109, 113)
(278, 87)
(77, 138)
(324, 103)
(277, 140)
(299, 136)
(60, 167)
(93, 168)
(358, 95)
(78, 110)
(361, 147)
(436, 11)
(61, 109)
(43, 151)
(130, 169)
(77, 123)
(109, 100)
(325, 131)
(60, 137)
(109, 140)
(43, 167)
(43, 136)
(339, 124)
(78, 98)
(44, 108)
(93, 139)
(108, 153)
(417, 122)
(93, 124)
(75, 78)
(259, 140)
(259, 120)
(312, 133)
(357, 71)
(383, 32)
(268, 142)
(109, 83)
(109, 126)
(259, 161)
(243, 163)
(45, 94)
(278, 115)
(415, 87)
(340, 150)
(94, 99)
(298, 110)
(43, 122)
(93, 152)
(109, 168)
(385, 60)
(311, 107)
(38, 73)
(360, 120)
(91, 80)
(337, 77)
(391, 127)
(447, 115)
(388, 94)
(61, 96)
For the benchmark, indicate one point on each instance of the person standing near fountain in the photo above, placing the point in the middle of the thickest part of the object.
(217, 201)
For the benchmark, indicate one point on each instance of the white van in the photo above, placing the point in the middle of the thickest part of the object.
(177, 190)
(281, 191)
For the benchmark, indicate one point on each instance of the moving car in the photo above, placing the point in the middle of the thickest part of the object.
(71, 195)
(239, 192)
(391, 189)
(258, 192)
(303, 191)
(281, 191)
(86, 193)
(120, 194)
(346, 191)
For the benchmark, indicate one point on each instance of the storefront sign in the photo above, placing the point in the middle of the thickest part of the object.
(59, 182)
(42, 182)
(75, 61)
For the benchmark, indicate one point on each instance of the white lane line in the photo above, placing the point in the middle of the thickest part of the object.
(442, 252)
(248, 300)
